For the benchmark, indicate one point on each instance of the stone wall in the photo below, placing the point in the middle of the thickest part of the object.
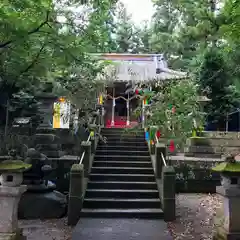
(195, 176)
(216, 134)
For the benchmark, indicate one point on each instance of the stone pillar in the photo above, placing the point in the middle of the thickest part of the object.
(152, 148)
(227, 218)
(168, 193)
(86, 147)
(10, 194)
(160, 149)
(46, 108)
(76, 193)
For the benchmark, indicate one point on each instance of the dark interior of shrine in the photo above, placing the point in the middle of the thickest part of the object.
(119, 89)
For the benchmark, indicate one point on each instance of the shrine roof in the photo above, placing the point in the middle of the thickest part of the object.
(140, 67)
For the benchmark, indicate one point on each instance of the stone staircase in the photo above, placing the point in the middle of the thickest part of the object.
(122, 182)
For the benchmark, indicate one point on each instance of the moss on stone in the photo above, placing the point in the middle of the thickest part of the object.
(14, 165)
(227, 167)
(77, 168)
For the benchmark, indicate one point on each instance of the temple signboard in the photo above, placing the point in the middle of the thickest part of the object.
(62, 113)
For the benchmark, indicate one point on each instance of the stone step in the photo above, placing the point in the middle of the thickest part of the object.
(122, 193)
(203, 155)
(123, 143)
(121, 203)
(118, 140)
(122, 158)
(144, 213)
(122, 152)
(121, 185)
(124, 135)
(122, 177)
(146, 164)
(121, 170)
(121, 130)
(107, 147)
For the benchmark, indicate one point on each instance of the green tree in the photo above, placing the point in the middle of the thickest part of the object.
(45, 41)
(214, 80)
(126, 33)
(173, 110)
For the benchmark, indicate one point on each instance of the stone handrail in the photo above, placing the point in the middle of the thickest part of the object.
(165, 178)
(79, 174)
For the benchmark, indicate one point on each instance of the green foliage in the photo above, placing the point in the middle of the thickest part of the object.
(175, 125)
(227, 167)
(47, 41)
(215, 82)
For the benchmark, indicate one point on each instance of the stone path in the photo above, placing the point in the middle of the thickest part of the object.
(120, 229)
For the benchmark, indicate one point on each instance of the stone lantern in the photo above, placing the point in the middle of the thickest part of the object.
(10, 193)
(227, 219)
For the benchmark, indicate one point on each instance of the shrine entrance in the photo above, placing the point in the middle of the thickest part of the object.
(120, 105)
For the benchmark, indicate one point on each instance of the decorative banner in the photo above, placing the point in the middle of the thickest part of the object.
(158, 134)
(172, 146)
(100, 99)
(147, 136)
(61, 116)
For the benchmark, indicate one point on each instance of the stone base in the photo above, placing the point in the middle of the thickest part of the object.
(42, 205)
(41, 188)
(13, 236)
(223, 235)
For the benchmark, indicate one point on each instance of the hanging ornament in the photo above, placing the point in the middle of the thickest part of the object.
(137, 91)
(172, 146)
(92, 134)
(101, 99)
(173, 109)
(147, 136)
(194, 133)
(158, 134)
(152, 133)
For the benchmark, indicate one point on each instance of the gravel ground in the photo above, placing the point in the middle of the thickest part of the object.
(54, 229)
(195, 214)
(195, 221)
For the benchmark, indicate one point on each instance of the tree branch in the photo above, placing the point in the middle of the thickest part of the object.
(5, 44)
(34, 61)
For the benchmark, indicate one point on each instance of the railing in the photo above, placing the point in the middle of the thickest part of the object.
(88, 140)
(79, 175)
(165, 178)
(163, 158)
(84, 152)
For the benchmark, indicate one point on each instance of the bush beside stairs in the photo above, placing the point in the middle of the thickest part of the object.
(121, 181)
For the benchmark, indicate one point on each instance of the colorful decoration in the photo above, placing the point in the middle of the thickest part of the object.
(152, 133)
(147, 136)
(152, 142)
(100, 99)
(194, 133)
(158, 134)
(145, 101)
(173, 109)
(61, 116)
(171, 146)
(92, 134)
